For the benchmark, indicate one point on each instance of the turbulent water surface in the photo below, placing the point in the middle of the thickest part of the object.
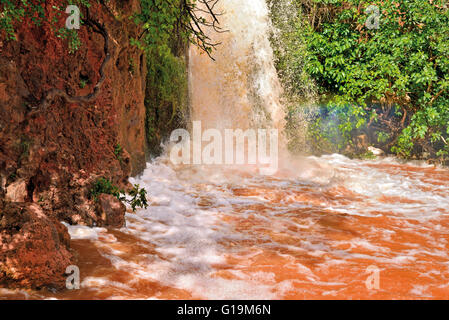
(308, 233)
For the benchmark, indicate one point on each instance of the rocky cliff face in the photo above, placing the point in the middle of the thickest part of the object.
(62, 117)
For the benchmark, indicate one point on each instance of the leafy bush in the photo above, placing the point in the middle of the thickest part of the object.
(168, 77)
(138, 198)
(103, 185)
(395, 78)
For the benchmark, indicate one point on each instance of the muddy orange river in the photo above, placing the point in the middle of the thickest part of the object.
(324, 230)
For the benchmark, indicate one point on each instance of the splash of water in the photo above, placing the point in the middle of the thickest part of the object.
(241, 88)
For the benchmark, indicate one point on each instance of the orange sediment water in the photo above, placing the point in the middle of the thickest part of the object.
(212, 234)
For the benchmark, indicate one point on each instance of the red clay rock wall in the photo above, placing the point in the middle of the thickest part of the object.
(34, 250)
(56, 152)
(50, 156)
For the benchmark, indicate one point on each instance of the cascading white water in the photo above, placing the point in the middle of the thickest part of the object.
(241, 88)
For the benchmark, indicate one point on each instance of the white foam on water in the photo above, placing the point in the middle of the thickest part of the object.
(83, 232)
(193, 226)
(189, 238)
(186, 239)
(428, 199)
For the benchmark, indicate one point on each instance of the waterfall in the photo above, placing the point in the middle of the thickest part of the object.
(240, 89)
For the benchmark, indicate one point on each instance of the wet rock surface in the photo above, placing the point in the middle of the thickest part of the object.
(111, 210)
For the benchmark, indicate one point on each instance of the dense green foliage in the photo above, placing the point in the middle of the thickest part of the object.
(164, 36)
(160, 19)
(392, 80)
(163, 41)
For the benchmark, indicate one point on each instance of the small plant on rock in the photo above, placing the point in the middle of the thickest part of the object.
(118, 150)
(104, 186)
